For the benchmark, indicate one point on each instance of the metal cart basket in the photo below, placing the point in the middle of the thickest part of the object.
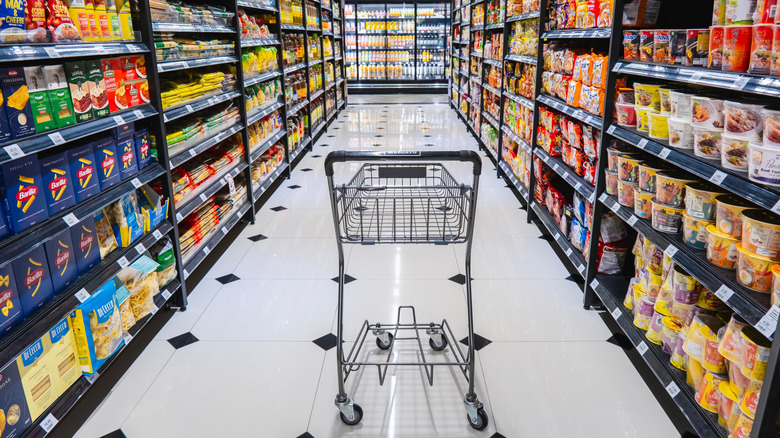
(405, 197)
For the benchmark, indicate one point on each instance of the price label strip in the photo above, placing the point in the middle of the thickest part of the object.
(123, 263)
(14, 151)
(616, 313)
(768, 323)
(670, 251)
(632, 220)
(672, 389)
(70, 219)
(642, 348)
(82, 295)
(718, 177)
(157, 234)
(48, 423)
(166, 294)
(724, 293)
(56, 138)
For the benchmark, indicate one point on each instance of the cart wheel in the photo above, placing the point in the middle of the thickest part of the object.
(438, 347)
(382, 345)
(482, 420)
(358, 416)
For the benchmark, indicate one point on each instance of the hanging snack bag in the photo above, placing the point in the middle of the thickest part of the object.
(141, 279)
(105, 235)
(605, 13)
(97, 328)
(59, 23)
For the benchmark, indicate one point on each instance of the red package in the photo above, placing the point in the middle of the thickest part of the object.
(611, 258)
(59, 23)
(35, 21)
(593, 13)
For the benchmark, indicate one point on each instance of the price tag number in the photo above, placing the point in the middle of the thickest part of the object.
(48, 423)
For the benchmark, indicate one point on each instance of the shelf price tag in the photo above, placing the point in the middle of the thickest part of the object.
(154, 310)
(166, 294)
(123, 263)
(157, 234)
(581, 269)
(616, 313)
(192, 152)
(70, 219)
(136, 182)
(14, 151)
(52, 52)
(133, 48)
(603, 197)
(569, 251)
(665, 153)
(776, 207)
(127, 337)
(696, 77)
(119, 120)
(189, 108)
(615, 207)
(724, 293)
(718, 177)
(611, 129)
(672, 389)
(632, 220)
(577, 186)
(203, 197)
(642, 348)
(594, 284)
(48, 423)
(642, 143)
(231, 184)
(179, 217)
(82, 295)
(740, 82)
(92, 377)
(186, 273)
(140, 248)
(139, 114)
(56, 138)
(206, 250)
(768, 323)
(670, 251)
(224, 230)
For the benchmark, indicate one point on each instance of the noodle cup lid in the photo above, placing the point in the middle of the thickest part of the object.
(703, 186)
(669, 209)
(726, 389)
(715, 231)
(733, 201)
(763, 216)
(677, 175)
(701, 222)
(653, 165)
(672, 323)
(751, 334)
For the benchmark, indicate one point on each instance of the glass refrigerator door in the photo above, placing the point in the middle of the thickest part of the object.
(432, 19)
(400, 31)
(371, 41)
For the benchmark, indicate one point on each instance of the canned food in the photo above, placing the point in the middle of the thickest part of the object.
(626, 114)
(669, 333)
(736, 48)
(734, 153)
(707, 112)
(612, 183)
(707, 394)
(721, 248)
(626, 192)
(715, 57)
(671, 187)
(659, 126)
(707, 142)
(661, 46)
(627, 167)
(666, 219)
(695, 232)
(743, 120)
(682, 106)
(646, 42)
(700, 200)
(631, 45)
(761, 49)
(755, 354)
(697, 47)
(646, 174)
(728, 214)
(680, 133)
(761, 233)
(771, 127)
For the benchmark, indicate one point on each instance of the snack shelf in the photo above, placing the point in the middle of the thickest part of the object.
(579, 184)
(316, 94)
(294, 154)
(611, 290)
(338, 58)
(205, 191)
(521, 58)
(56, 51)
(254, 5)
(477, 28)
(727, 179)
(260, 42)
(197, 105)
(464, 73)
(262, 77)
(265, 144)
(191, 27)
(313, 29)
(493, 62)
(575, 256)
(736, 81)
(522, 17)
(514, 179)
(520, 99)
(577, 113)
(168, 66)
(329, 58)
(197, 255)
(492, 89)
(476, 78)
(254, 117)
(495, 26)
(749, 304)
(459, 42)
(340, 104)
(523, 144)
(578, 33)
(259, 189)
(185, 155)
(315, 62)
(476, 54)
(297, 107)
(327, 33)
(293, 27)
(14, 149)
(489, 117)
(295, 67)
(315, 130)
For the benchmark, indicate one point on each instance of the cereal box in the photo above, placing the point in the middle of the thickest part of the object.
(24, 202)
(83, 170)
(85, 244)
(57, 183)
(63, 366)
(33, 280)
(125, 147)
(36, 378)
(143, 149)
(97, 328)
(78, 83)
(59, 96)
(62, 260)
(97, 90)
(107, 162)
(10, 306)
(17, 101)
(13, 406)
(39, 99)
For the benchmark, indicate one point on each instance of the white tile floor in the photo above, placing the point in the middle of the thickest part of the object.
(255, 371)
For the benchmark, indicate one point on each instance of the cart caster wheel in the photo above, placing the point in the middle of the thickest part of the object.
(358, 415)
(480, 424)
(382, 345)
(438, 347)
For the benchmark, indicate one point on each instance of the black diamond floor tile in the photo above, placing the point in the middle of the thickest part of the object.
(479, 342)
(257, 238)
(225, 279)
(306, 435)
(279, 208)
(429, 144)
(316, 156)
(571, 278)
(376, 145)
(326, 342)
(306, 170)
(115, 434)
(621, 341)
(183, 340)
(336, 127)
(347, 279)
(325, 144)
(294, 186)
(378, 135)
(460, 279)
(427, 135)
(497, 435)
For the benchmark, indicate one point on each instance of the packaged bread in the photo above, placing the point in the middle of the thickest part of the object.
(106, 239)
(140, 278)
(97, 328)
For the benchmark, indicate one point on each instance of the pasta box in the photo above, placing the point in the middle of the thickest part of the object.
(57, 183)
(13, 404)
(78, 84)
(97, 88)
(106, 159)
(40, 106)
(153, 207)
(5, 126)
(17, 102)
(4, 230)
(62, 260)
(143, 150)
(33, 280)
(97, 328)
(37, 381)
(114, 76)
(24, 202)
(59, 96)
(83, 169)
(124, 218)
(85, 244)
(64, 367)
(125, 147)
(10, 307)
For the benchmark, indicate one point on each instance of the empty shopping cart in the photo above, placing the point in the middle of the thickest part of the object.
(399, 198)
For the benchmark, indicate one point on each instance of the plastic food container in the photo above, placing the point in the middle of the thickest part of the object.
(686, 288)
(681, 105)
(695, 232)
(659, 126)
(669, 333)
(771, 127)
(647, 96)
(694, 343)
(625, 95)
(761, 49)
(775, 66)
(708, 301)
(627, 167)
(707, 142)
(761, 233)
(715, 58)
(721, 248)
(626, 192)
(626, 114)
(654, 331)
(644, 313)
(680, 133)
(734, 153)
(646, 176)
(736, 47)
(670, 187)
(652, 285)
(697, 45)
(664, 95)
(708, 393)
(694, 311)
(754, 271)
(735, 375)
(700, 200)
(740, 11)
(711, 359)
(728, 214)
(764, 164)
(612, 183)
(707, 112)
(643, 119)
(695, 373)
(743, 120)
(730, 346)
(666, 218)
(776, 285)
(755, 354)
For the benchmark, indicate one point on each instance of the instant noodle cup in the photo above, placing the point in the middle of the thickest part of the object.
(764, 164)
(668, 265)
(771, 127)
(631, 45)
(626, 193)
(646, 42)
(654, 334)
(761, 233)
(754, 271)
(721, 248)
(666, 218)
(628, 165)
(669, 333)
(694, 311)
(629, 299)
(749, 401)
(647, 96)
(625, 95)
(743, 120)
(775, 65)
(736, 47)
(719, 13)
(715, 58)
(708, 301)
(677, 358)
(664, 302)
(708, 393)
(671, 187)
(776, 285)
(734, 153)
(626, 114)
(755, 354)
(646, 171)
(695, 372)
(612, 183)
(695, 232)
(680, 133)
(686, 288)
(697, 47)
(659, 126)
(636, 298)
(661, 47)
(644, 313)
(706, 112)
(761, 49)
(735, 375)
(612, 157)
(707, 142)
(643, 118)
(653, 285)
(711, 359)
(679, 310)
(653, 257)
(643, 203)
(728, 214)
(740, 11)
(694, 343)
(700, 200)
(728, 401)
(664, 94)
(743, 427)
(730, 343)
(681, 105)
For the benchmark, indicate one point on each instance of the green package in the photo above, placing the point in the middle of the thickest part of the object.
(62, 107)
(41, 112)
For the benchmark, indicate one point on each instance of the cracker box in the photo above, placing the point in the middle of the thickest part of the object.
(97, 328)
(84, 170)
(37, 381)
(107, 162)
(85, 244)
(78, 84)
(59, 96)
(97, 90)
(114, 76)
(17, 102)
(13, 405)
(62, 260)
(125, 147)
(5, 125)
(143, 150)
(24, 201)
(10, 306)
(43, 117)
(63, 365)
(57, 183)
(33, 279)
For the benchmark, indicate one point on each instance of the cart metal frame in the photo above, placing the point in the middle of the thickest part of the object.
(404, 198)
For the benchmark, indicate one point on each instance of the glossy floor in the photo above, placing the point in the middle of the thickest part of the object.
(255, 370)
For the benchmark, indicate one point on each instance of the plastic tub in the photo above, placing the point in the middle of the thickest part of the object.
(686, 288)
(654, 331)
(735, 374)
(728, 401)
(700, 200)
(670, 332)
(728, 214)
(707, 112)
(625, 95)
(643, 203)
(671, 187)
(694, 344)
(626, 114)
(626, 192)
(681, 105)
(628, 301)
(743, 120)
(734, 153)
(711, 359)
(627, 167)
(612, 183)
(754, 271)
(666, 218)
(695, 232)
(761, 233)
(707, 394)
(647, 96)
(643, 118)
(646, 175)
(659, 126)
(736, 47)
(707, 142)
(680, 133)
(764, 164)
(612, 158)
(761, 49)
(755, 354)
(771, 127)
(721, 248)
(664, 95)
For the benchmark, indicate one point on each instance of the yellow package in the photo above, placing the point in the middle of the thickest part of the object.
(36, 378)
(63, 365)
(125, 311)
(97, 328)
(140, 278)
(106, 239)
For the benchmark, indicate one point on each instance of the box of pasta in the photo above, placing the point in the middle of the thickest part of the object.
(85, 244)
(97, 328)
(37, 381)
(10, 307)
(63, 365)
(78, 84)
(62, 260)
(33, 280)
(107, 162)
(59, 96)
(83, 169)
(143, 149)
(43, 116)
(5, 126)
(22, 187)
(14, 413)
(125, 147)
(17, 101)
(97, 90)
(57, 183)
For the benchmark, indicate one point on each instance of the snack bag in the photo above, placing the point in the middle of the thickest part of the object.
(163, 254)
(35, 22)
(141, 280)
(605, 13)
(106, 240)
(59, 23)
(97, 328)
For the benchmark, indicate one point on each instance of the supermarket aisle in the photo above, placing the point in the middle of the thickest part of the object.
(547, 370)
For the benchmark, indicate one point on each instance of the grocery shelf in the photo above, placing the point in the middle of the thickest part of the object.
(569, 110)
(293, 27)
(329, 85)
(255, 5)
(522, 143)
(295, 67)
(459, 42)
(489, 117)
(495, 26)
(313, 29)
(327, 33)
(575, 256)
(265, 144)
(520, 99)
(522, 17)
(313, 63)
(578, 33)
(302, 147)
(207, 190)
(329, 58)
(510, 175)
(196, 256)
(259, 189)
(583, 187)
(736, 81)
(40, 52)
(197, 105)
(168, 66)
(254, 117)
(521, 58)
(477, 28)
(464, 73)
(492, 89)
(260, 42)
(262, 77)
(297, 107)
(317, 129)
(14, 149)
(710, 171)
(185, 155)
(748, 304)
(493, 62)
(191, 27)
(476, 54)
(476, 78)
(338, 58)
(315, 94)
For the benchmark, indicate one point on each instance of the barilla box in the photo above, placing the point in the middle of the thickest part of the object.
(10, 306)
(5, 126)
(33, 280)
(43, 117)
(85, 244)
(17, 101)
(107, 162)
(153, 207)
(63, 364)
(100, 312)
(57, 183)
(128, 232)
(78, 84)
(84, 170)
(4, 229)
(97, 90)
(114, 76)
(13, 403)
(62, 260)
(125, 148)
(59, 96)
(143, 150)
(37, 381)
(24, 202)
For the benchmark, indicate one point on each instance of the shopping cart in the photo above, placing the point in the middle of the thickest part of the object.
(404, 197)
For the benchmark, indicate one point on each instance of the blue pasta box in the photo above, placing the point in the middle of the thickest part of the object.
(5, 126)
(153, 207)
(124, 219)
(107, 163)
(24, 202)
(57, 183)
(85, 244)
(125, 147)
(62, 260)
(4, 230)
(17, 100)
(83, 169)
(97, 328)
(33, 280)
(143, 150)
(13, 402)
(10, 307)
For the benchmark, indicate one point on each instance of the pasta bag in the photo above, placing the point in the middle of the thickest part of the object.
(140, 278)
(97, 328)
(106, 240)
(125, 312)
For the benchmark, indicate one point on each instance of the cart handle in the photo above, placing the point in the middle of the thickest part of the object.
(344, 156)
